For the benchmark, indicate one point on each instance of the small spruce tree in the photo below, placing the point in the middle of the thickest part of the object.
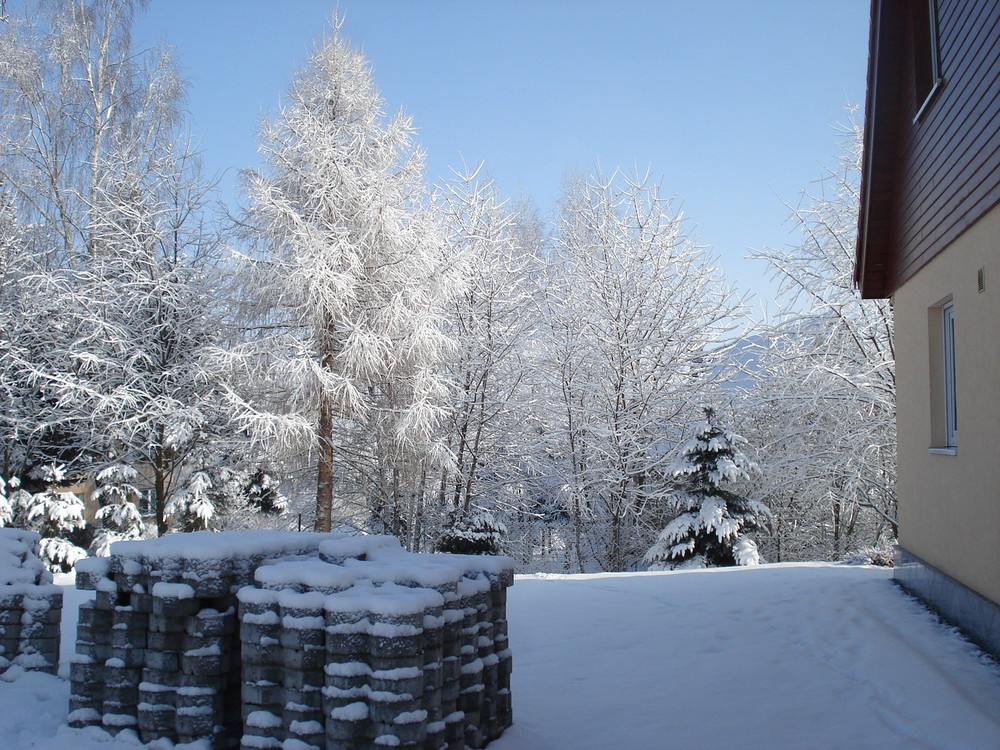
(55, 514)
(118, 517)
(262, 493)
(193, 510)
(473, 532)
(712, 526)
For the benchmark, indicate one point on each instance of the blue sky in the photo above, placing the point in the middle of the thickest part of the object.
(733, 105)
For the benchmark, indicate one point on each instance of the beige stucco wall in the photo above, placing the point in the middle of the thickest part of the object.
(949, 505)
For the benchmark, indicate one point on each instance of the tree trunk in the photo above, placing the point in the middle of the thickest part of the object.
(160, 500)
(324, 468)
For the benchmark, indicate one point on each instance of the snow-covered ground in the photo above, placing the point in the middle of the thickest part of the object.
(803, 656)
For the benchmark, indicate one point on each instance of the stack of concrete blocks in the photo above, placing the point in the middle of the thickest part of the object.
(30, 605)
(371, 647)
(158, 648)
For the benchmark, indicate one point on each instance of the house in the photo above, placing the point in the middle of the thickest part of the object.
(929, 238)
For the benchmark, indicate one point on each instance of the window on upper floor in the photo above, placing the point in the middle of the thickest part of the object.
(926, 61)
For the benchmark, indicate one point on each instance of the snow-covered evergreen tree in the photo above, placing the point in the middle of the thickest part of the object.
(240, 498)
(55, 514)
(118, 517)
(712, 527)
(262, 492)
(472, 532)
(192, 509)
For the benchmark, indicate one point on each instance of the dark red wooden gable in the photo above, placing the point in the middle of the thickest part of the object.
(926, 181)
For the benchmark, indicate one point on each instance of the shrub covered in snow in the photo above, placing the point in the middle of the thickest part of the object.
(879, 555)
(476, 532)
(713, 522)
(6, 511)
(19, 562)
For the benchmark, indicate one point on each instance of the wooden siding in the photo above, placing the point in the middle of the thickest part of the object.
(927, 182)
(888, 43)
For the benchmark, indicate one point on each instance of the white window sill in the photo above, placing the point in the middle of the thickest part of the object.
(943, 451)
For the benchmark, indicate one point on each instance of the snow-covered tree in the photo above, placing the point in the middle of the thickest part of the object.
(148, 324)
(475, 532)
(192, 509)
(822, 405)
(713, 523)
(493, 323)
(114, 258)
(36, 427)
(73, 90)
(118, 517)
(113, 255)
(226, 495)
(55, 514)
(350, 279)
(635, 316)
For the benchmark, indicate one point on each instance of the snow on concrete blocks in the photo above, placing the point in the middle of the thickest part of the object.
(30, 606)
(302, 641)
(412, 649)
(158, 649)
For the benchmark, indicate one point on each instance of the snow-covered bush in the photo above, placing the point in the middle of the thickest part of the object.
(476, 532)
(711, 528)
(881, 554)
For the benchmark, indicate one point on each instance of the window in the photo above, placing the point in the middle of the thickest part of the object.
(948, 361)
(944, 401)
(147, 503)
(926, 62)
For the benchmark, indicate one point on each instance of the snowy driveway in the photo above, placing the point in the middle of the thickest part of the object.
(803, 656)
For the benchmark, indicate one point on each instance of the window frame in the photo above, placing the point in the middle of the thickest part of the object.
(948, 381)
(926, 57)
(942, 373)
